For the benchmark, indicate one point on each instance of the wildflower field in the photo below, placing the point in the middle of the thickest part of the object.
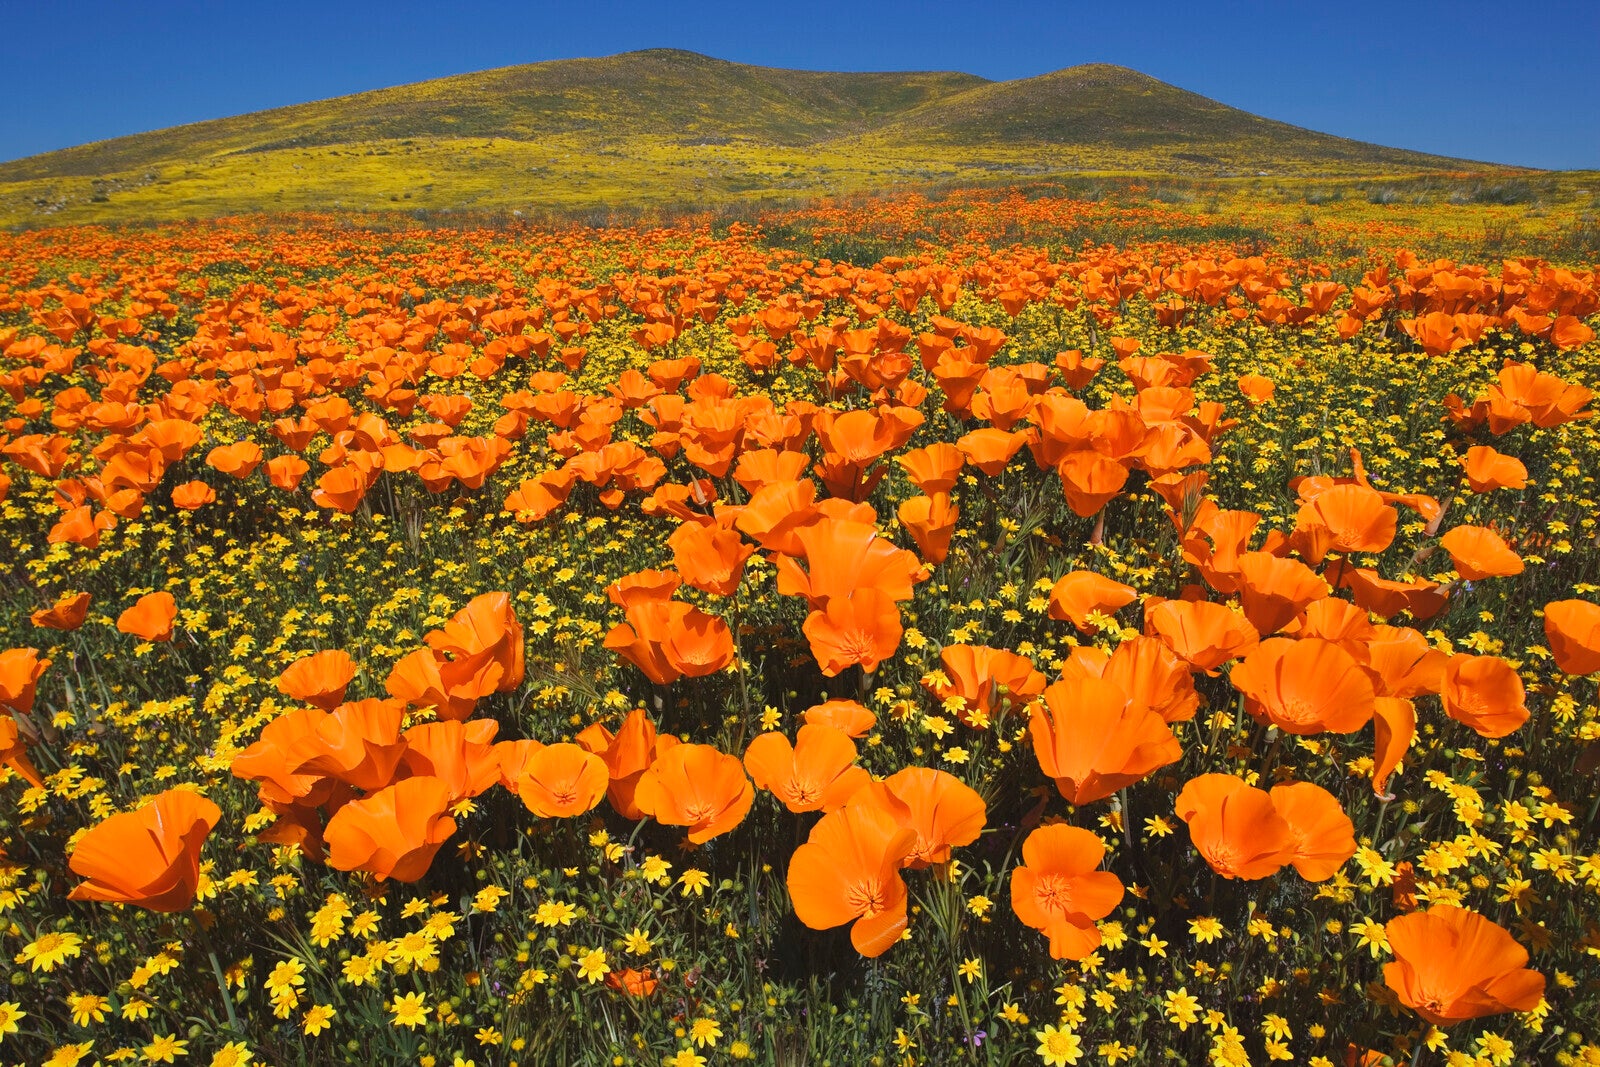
(884, 633)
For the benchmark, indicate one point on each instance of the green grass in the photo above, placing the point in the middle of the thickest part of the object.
(668, 128)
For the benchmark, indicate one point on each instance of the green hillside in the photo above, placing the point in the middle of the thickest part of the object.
(668, 128)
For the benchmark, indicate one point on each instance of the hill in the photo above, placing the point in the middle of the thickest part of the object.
(668, 128)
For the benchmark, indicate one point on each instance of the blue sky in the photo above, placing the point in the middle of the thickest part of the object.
(1506, 82)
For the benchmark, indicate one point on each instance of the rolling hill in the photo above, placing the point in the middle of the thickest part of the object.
(669, 128)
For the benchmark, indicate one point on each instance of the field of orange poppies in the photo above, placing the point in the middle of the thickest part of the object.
(891, 633)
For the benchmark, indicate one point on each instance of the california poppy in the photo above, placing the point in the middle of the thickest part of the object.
(560, 781)
(979, 682)
(1488, 470)
(320, 679)
(67, 613)
(1093, 740)
(149, 857)
(1207, 635)
(460, 754)
(848, 871)
(357, 743)
(1273, 590)
(1485, 693)
(1452, 964)
(1305, 686)
(943, 810)
(1324, 837)
(696, 786)
(848, 715)
(20, 671)
(1078, 594)
(1090, 480)
(931, 521)
(668, 640)
(1150, 673)
(1235, 827)
(1355, 518)
(709, 557)
(150, 618)
(933, 469)
(1059, 889)
(1572, 630)
(1478, 552)
(484, 642)
(863, 628)
(1394, 723)
(816, 773)
(14, 752)
(393, 833)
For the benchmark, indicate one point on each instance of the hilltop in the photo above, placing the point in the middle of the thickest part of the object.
(670, 128)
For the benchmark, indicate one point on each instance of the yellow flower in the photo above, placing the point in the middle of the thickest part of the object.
(705, 1032)
(45, 952)
(970, 969)
(686, 1057)
(592, 965)
(69, 1055)
(87, 1008)
(10, 1013)
(1181, 1008)
(694, 881)
(637, 942)
(554, 913)
(1206, 929)
(1058, 1047)
(317, 1019)
(488, 898)
(233, 1054)
(1013, 1014)
(409, 1009)
(164, 1048)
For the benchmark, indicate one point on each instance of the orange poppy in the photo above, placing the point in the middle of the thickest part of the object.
(14, 752)
(848, 715)
(1488, 470)
(848, 871)
(696, 786)
(1304, 687)
(1572, 630)
(1478, 552)
(709, 557)
(1090, 738)
(668, 640)
(1256, 389)
(67, 613)
(1401, 663)
(1090, 480)
(1388, 597)
(816, 773)
(633, 981)
(984, 681)
(395, 832)
(933, 469)
(460, 754)
(1235, 827)
(989, 449)
(150, 618)
(943, 811)
(1452, 964)
(1394, 724)
(863, 628)
(1354, 518)
(285, 472)
(1207, 635)
(239, 459)
(357, 743)
(1274, 590)
(1078, 594)
(1485, 693)
(416, 680)
(192, 495)
(560, 781)
(1324, 836)
(20, 671)
(1145, 669)
(843, 556)
(931, 521)
(149, 857)
(319, 679)
(484, 641)
(1059, 890)
(627, 755)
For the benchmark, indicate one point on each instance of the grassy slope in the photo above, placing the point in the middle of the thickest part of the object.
(666, 128)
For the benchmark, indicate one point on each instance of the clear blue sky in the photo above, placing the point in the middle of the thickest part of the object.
(1507, 81)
